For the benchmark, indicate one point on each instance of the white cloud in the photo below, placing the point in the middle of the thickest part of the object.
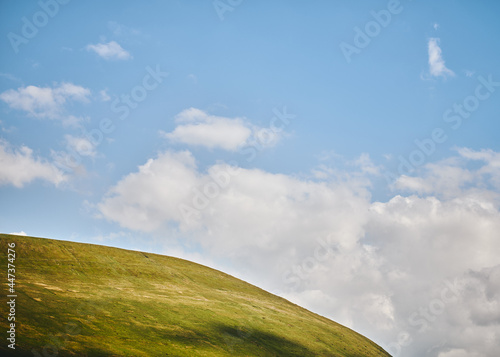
(451, 177)
(19, 167)
(366, 165)
(22, 233)
(324, 244)
(166, 180)
(45, 102)
(455, 353)
(69, 162)
(198, 128)
(444, 233)
(104, 95)
(489, 156)
(437, 67)
(109, 51)
(73, 121)
(81, 145)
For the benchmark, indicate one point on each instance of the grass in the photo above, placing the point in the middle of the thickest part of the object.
(79, 299)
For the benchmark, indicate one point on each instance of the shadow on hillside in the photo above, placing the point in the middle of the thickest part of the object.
(244, 341)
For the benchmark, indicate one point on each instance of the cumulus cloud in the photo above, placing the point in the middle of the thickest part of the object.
(198, 128)
(461, 323)
(19, 167)
(437, 67)
(423, 264)
(45, 102)
(457, 353)
(433, 238)
(162, 182)
(110, 51)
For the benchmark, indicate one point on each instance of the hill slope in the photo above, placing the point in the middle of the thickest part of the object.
(78, 299)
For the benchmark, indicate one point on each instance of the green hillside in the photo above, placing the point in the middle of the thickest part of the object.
(78, 299)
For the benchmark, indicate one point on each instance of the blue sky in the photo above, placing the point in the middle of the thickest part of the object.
(305, 134)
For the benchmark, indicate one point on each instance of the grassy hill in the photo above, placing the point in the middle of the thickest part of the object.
(78, 299)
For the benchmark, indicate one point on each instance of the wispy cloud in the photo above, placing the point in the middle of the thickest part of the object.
(104, 95)
(469, 73)
(10, 77)
(437, 67)
(110, 51)
(81, 145)
(193, 78)
(5, 129)
(121, 30)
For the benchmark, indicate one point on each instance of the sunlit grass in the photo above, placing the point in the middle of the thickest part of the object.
(83, 299)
